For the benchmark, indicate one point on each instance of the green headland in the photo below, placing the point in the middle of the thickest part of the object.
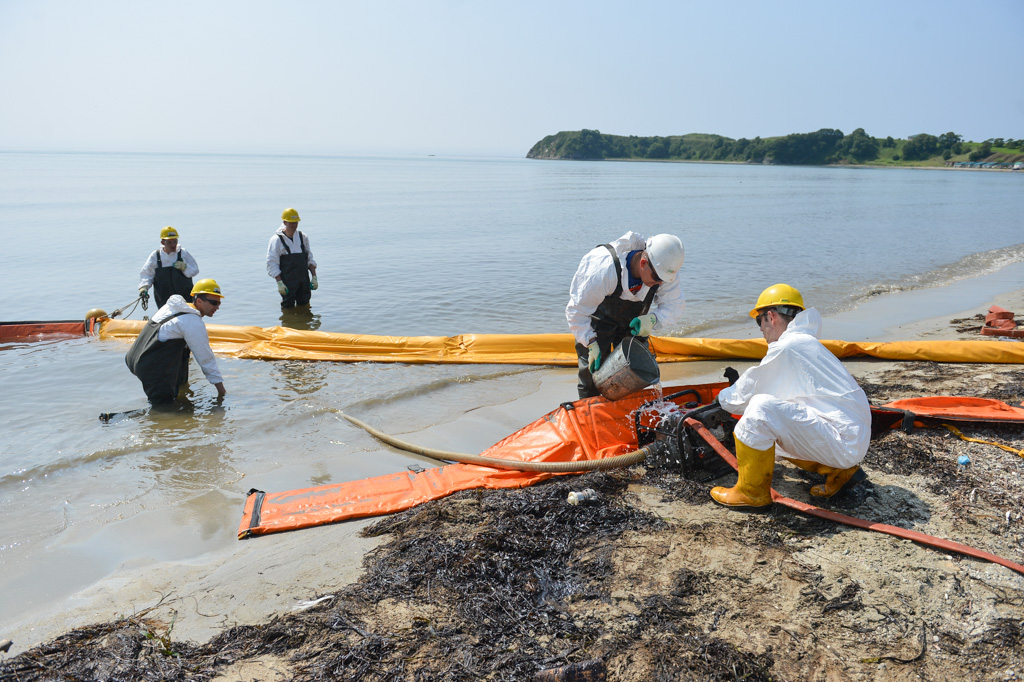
(824, 147)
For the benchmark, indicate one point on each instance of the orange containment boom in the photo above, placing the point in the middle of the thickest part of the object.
(959, 408)
(281, 343)
(584, 430)
(33, 331)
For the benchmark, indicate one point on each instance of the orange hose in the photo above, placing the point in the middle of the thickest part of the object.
(930, 540)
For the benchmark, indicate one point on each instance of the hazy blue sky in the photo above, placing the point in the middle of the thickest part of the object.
(489, 78)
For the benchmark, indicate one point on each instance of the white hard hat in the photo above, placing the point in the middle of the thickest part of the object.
(666, 253)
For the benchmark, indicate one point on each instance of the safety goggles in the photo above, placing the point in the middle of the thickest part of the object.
(654, 273)
(215, 302)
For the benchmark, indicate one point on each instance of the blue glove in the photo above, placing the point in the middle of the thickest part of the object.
(643, 325)
(594, 361)
(313, 284)
(180, 265)
(281, 288)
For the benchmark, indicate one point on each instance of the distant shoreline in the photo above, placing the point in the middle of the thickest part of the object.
(826, 165)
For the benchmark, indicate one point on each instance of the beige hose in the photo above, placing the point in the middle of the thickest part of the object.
(628, 459)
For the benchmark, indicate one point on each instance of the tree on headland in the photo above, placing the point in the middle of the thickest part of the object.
(587, 145)
(858, 146)
(920, 147)
(659, 149)
(825, 146)
(806, 148)
(983, 151)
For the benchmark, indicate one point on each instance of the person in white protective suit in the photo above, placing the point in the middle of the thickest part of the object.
(626, 287)
(800, 403)
(160, 354)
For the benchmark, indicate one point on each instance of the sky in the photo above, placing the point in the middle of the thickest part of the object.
(491, 78)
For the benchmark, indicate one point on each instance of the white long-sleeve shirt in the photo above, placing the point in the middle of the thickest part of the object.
(595, 280)
(191, 328)
(160, 258)
(275, 249)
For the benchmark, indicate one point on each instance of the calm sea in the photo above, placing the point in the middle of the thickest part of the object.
(405, 246)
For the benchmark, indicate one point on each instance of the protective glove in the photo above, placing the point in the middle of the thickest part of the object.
(281, 288)
(594, 360)
(180, 265)
(643, 325)
(144, 295)
(731, 375)
(313, 283)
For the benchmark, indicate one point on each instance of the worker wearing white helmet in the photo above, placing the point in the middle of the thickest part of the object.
(627, 287)
(159, 356)
(169, 270)
(800, 403)
(290, 262)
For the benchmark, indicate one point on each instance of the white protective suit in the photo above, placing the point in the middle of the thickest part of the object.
(191, 328)
(595, 280)
(275, 250)
(802, 399)
(161, 259)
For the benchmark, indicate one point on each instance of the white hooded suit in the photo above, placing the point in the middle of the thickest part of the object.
(802, 399)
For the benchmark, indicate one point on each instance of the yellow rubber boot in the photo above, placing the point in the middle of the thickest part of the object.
(835, 480)
(809, 465)
(754, 486)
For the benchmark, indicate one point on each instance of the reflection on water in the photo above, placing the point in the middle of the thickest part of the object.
(301, 377)
(300, 317)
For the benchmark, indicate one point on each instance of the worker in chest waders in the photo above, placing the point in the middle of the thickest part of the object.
(159, 356)
(627, 287)
(169, 270)
(800, 403)
(290, 262)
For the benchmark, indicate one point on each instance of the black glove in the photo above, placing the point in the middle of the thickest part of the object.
(144, 295)
(712, 414)
(731, 375)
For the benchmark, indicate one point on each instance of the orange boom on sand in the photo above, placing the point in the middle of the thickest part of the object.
(589, 429)
(586, 431)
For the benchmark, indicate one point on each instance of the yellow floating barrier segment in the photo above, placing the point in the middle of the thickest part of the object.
(282, 343)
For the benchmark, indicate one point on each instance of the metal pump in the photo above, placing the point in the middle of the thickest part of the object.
(661, 425)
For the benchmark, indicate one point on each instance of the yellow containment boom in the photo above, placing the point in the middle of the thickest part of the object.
(282, 343)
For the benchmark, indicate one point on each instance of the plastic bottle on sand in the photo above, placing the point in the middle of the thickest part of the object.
(582, 496)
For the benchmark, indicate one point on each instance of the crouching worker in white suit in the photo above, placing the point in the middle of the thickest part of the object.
(800, 402)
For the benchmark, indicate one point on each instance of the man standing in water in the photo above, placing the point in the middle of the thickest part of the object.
(159, 356)
(629, 286)
(169, 270)
(800, 401)
(290, 262)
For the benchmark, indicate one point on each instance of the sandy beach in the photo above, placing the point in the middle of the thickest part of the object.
(789, 596)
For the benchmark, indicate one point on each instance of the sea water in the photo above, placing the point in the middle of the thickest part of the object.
(405, 246)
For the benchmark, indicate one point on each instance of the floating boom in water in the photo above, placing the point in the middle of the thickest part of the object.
(281, 343)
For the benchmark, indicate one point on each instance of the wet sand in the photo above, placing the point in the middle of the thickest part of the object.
(252, 581)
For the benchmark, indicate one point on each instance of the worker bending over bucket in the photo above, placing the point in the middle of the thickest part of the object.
(159, 356)
(629, 286)
(800, 400)
(169, 270)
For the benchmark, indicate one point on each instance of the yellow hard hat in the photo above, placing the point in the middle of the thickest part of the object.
(290, 215)
(168, 233)
(208, 287)
(778, 294)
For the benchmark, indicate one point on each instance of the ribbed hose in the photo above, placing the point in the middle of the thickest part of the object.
(628, 459)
